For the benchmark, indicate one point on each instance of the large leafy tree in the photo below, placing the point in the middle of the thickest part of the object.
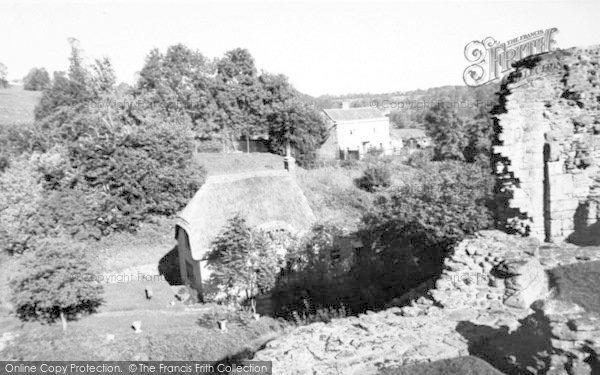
(457, 137)
(290, 120)
(36, 80)
(132, 156)
(239, 96)
(58, 283)
(227, 99)
(179, 83)
(448, 132)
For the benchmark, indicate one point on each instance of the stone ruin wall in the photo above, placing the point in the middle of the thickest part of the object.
(547, 149)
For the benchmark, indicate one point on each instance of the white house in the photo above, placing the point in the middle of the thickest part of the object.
(355, 131)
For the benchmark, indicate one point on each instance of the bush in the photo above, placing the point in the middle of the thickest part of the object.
(16, 140)
(447, 201)
(420, 159)
(375, 177)
(58, 282)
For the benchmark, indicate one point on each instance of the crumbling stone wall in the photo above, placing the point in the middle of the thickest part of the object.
(547, 148)
(492, 270)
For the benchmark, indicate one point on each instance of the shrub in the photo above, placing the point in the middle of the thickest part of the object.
(420, 159)
(375, 177)
(447, 201)
(58, 283)
(16, 140)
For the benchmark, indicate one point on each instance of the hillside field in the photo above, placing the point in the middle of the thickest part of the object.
(17, 105)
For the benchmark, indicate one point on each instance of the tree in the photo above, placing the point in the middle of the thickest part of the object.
(58, 283)
(71, 93)
(3, 76)
(36, 80)
(239, 96)
(179, 83)
(243, 261)
(227, 99)
(292, 121)
(447, 131)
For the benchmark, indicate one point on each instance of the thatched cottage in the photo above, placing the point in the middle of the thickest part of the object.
(271, 200)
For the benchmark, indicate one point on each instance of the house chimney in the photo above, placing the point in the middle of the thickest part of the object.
(345, 104)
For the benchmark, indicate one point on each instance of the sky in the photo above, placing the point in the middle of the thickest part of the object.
(324, 47)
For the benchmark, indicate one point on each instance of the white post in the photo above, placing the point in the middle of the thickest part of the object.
(289, 162)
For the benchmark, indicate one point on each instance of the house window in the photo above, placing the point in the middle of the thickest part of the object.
(189, 270)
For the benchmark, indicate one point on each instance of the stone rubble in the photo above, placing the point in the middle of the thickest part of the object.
(575, 336)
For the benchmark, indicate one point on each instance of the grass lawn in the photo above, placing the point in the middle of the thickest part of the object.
(221, 163)
(579, 283)
(17, 105)
(166, 335)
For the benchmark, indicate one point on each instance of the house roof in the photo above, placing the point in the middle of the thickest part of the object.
(351, 114)
(407, 133)
(266, 199)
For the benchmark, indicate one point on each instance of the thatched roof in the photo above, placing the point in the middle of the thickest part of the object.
(265, 199)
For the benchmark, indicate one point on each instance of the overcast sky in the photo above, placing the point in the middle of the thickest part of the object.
(324, 47)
